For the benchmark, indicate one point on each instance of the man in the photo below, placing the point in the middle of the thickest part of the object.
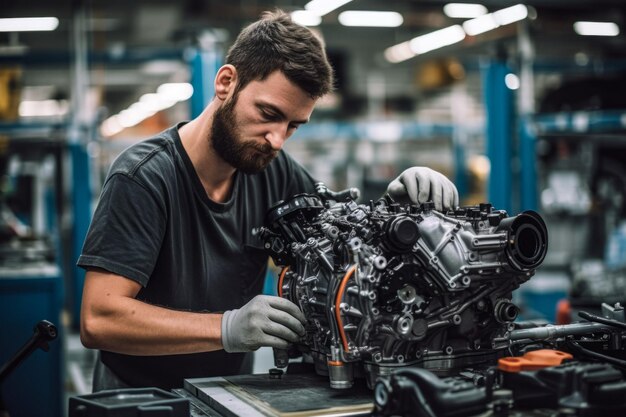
(171, 247)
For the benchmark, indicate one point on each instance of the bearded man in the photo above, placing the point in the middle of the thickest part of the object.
(174, 272)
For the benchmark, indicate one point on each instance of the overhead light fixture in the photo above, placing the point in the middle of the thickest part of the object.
(464, 10)
(156, 102)
(166, 96)
(400, 52)
(370, 18)
(111, 126)
(322, 7)
(480, 25)
(176, 91)
(454, 34)
(306, 18)
(28, 24)
(425, 43)
(38, 92)
(43, 108)
(494, 20)
(511, 14)
(596, 28)
(437, 39)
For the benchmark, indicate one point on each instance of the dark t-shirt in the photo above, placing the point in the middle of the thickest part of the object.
(155, 224)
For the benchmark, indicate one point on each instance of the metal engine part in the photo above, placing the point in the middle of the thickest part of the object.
(386, 286)
(577, 389)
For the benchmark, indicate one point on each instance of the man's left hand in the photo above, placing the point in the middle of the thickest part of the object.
(420, 184)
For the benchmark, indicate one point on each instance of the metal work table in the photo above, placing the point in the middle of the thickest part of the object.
(292, 395)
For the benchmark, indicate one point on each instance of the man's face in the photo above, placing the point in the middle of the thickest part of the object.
(251, 127)
(246, 156)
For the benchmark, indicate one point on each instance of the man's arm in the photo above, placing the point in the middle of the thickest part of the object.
(112, 319)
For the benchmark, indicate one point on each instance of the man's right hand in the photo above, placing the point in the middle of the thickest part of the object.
(264, 321)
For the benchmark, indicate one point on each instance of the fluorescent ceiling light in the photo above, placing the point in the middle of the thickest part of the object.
(480, 25)
(322, 7)
(437, 39)
(131, 117)
(111, 126)
(464, 10)
(38, 92)
(425, 43)
(306, 18)
(176, 91)
(28, 24)
(456, 33)
(142, 108)
(157, 102)
(166, 96)
(43, 108)
(511, 14)
(399, 53)
(494, 20)
(596, 28)
(370, 18)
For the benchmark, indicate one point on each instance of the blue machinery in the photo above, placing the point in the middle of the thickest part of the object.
(499, 110)
(28, 295)
(511, 138)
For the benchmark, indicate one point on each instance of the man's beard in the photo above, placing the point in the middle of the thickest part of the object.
(247, 157)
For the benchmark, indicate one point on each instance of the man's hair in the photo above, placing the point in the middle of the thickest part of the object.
(275, 42)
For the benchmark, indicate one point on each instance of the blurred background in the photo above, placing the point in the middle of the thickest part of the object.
(520, 104)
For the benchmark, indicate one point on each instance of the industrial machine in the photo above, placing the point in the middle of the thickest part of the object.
(555, 370)
(31, 281)
(386, 286)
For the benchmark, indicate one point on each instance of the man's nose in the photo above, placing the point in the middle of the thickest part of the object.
(277, 136)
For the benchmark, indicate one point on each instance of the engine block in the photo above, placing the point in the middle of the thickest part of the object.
(385, 285)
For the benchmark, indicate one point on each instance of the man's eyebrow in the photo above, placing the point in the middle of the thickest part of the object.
(279, 112)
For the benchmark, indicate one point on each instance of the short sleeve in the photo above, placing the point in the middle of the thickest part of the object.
(126, 231)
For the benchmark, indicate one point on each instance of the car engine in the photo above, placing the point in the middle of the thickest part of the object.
(387, 286)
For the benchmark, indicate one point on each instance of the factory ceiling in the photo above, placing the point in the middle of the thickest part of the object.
(135, 45)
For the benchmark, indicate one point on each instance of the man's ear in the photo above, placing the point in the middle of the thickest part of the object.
(225, 81)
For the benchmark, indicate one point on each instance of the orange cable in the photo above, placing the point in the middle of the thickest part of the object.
(281, 278)
(342, 288)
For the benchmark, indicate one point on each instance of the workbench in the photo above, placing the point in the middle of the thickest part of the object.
(262, 395)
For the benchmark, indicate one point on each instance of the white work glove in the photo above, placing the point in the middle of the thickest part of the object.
(420, 184)
(265, 321)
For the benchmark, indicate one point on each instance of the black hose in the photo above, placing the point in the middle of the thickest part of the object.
(602, 320)
(588, 352)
